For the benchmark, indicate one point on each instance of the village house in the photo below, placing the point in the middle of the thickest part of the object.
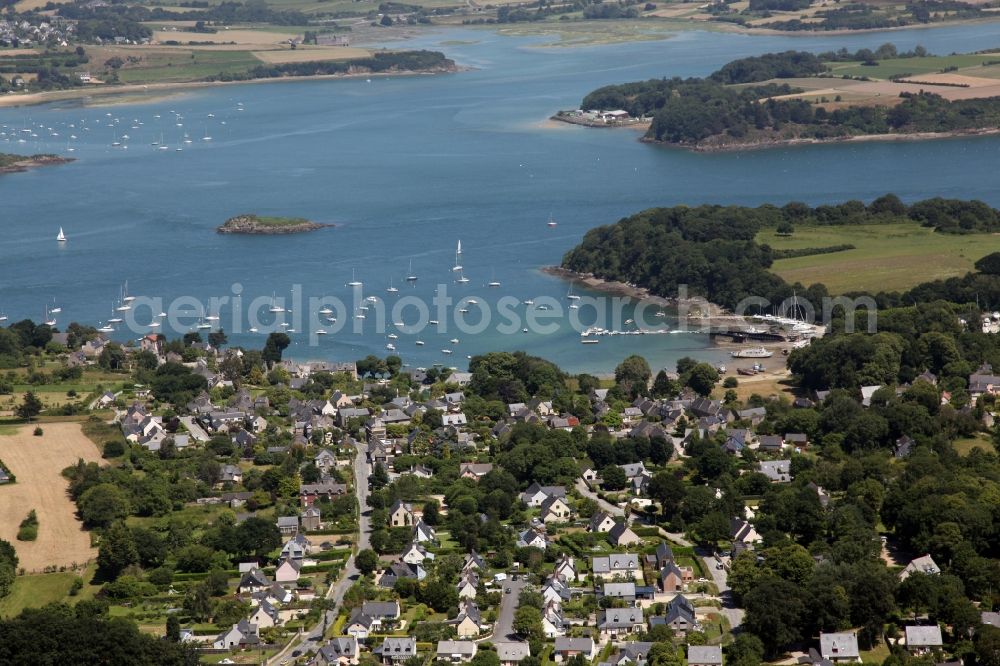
(840, 647)
(288, 525)
(242, 635)
(536, 494)
(565, 569)
(394, 650)
(423, 533)
(741, 531)
(924, 564)
(468, 623)
(679, 617)
(474, 471)
(310, 519)
(288, 571)
(416, 554)
(401, 514)
(468, 585)
(622, 536)
(704, 655)
(553, 622)
(567, 648)
(511, 652)
(252, 581)
(455, 652)
(921, 640)
(265, 615)
(624, 565)
(601, 522)
(532, 538)
(340, 651)
(777, 471)
(296, 548)
(555, 510)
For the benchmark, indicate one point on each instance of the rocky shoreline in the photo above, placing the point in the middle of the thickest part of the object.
(30, 162)
(254, 225)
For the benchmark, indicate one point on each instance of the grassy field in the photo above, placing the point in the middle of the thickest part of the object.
(915, 66)
(886, 256)
(35, 591)
(965, 446)
(765, 385)
(180, 65)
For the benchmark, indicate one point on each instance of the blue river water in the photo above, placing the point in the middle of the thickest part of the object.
(406, 167)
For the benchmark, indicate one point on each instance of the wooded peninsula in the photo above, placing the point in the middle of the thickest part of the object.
(794, 96)
(717, 253)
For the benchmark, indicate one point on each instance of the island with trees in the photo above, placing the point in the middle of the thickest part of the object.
(798, 97)
(268, 225)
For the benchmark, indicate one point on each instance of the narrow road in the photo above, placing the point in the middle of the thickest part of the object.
(314, 639)
(504, 628)
(583, 489)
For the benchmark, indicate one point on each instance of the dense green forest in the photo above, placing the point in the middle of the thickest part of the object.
(84, 635)
(712, 249)
(709, 112)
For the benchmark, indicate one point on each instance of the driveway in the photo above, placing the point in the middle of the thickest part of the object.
(584, 489)
(314, 639)
(197, 432)
(721, 579)
(504, 628)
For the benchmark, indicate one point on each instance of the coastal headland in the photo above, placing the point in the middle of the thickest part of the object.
(18, 163)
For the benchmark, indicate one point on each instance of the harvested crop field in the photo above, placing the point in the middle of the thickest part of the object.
(303, 54)
(37, 462)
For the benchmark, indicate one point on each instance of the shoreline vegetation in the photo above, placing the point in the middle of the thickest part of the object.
(250, 224)
(10, 163)
(798, 98)
(416, 63)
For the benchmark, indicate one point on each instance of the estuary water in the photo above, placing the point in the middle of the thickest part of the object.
(406, 167)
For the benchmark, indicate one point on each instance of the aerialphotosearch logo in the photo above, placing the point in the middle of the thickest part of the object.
(470, 315)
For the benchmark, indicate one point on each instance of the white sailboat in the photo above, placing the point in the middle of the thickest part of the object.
(274, 305)
(125, 299)
(551, 222)
(570, 295)
(493, 281)
(114, 318)
(107, 328)
(410, 277)
(49, 319)
(354, 280)
(461, 278)
(61, 237)
(458, 258)
(391, 289)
